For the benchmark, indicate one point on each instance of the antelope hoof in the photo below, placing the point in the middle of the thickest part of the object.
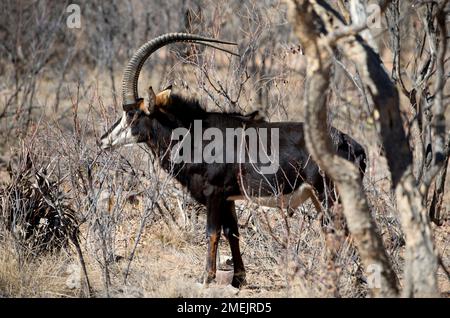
(238, 280)
(209, 278)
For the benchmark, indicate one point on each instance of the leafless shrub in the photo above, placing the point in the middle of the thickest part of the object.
(35, 209)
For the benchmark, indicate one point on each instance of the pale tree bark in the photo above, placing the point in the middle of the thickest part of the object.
(421, 259)
(310, 29)
(437, 210)
(439, 147)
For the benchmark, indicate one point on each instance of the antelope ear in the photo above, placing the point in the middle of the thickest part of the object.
(163, 98)
(148, 109)
(143, 107)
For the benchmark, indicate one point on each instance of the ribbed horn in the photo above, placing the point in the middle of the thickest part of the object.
(131, 74)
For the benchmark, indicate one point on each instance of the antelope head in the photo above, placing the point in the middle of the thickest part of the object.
(137, 114)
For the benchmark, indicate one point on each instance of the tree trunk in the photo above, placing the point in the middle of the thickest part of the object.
(421, 259)
(308, 27)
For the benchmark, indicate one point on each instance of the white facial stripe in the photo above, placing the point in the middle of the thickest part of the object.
(119, 129)
(121, 134)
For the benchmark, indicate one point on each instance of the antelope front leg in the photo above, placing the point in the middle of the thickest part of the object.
(231, 231)
(211, 258)
(213, 227)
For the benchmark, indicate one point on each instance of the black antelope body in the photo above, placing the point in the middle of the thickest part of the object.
(218, 184)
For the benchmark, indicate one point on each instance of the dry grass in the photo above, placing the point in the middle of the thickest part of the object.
(22, 275)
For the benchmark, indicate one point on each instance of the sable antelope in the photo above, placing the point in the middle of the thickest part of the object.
(218, 184)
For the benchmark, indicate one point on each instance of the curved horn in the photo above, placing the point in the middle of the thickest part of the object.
(131, 73)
